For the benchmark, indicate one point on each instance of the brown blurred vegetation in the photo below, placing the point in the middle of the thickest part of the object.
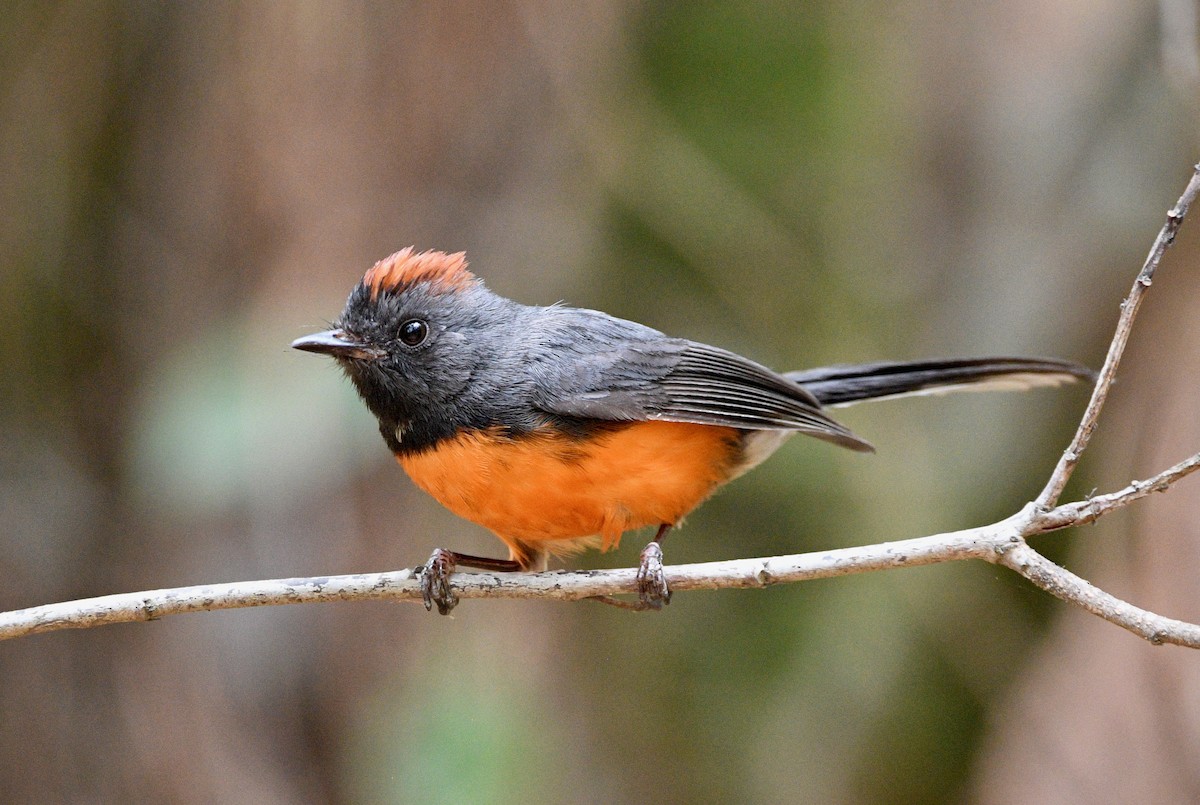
(187, 187)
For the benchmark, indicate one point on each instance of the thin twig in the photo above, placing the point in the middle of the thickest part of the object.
(1129, 308)
(1087, 511)
(404, 585)
(1066, 585)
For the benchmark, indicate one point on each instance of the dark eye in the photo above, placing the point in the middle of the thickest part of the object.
(413, 332)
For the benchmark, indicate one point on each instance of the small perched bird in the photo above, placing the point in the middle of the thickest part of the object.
(560, 429)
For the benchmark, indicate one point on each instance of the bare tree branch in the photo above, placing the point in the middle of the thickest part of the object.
(1002, 543)
(1066, 585)
(1088, 511)
(1129, 308)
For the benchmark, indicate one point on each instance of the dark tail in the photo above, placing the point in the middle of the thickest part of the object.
(842, 385)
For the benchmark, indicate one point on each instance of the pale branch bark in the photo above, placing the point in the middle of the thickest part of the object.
(1129, 308)
(1096, 506)
(1002, 543)
(1066, 585)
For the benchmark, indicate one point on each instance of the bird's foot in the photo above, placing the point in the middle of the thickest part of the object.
(435, 575)
(435, 581)
(653, 592)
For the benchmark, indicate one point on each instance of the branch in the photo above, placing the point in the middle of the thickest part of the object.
(1066, 585)
(1108, 373)
(1002, 543)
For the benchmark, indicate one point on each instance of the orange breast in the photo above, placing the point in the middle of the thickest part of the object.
(545, 491)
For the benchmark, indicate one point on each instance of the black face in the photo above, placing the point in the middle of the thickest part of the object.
(419, 359)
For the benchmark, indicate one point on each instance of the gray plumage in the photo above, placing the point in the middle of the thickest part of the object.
(490, 362)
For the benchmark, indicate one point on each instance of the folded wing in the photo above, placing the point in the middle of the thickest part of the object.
(629, 372)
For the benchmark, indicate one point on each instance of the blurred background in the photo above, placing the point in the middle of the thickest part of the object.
(188, 187)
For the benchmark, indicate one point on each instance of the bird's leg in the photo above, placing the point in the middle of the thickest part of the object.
(653, 592)
(652, 583)
(435, 575)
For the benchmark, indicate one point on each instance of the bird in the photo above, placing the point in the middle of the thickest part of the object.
(560, 428)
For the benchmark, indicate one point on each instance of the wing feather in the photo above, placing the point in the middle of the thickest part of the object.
(626, 372)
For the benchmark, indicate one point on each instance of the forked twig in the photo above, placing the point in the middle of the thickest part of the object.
(1108, 373)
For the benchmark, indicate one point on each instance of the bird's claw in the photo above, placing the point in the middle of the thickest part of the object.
(653, 592)
(435, 581)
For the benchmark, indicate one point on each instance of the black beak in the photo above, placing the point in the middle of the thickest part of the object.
(339, 344)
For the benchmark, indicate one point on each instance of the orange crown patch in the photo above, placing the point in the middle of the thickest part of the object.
(402, 270)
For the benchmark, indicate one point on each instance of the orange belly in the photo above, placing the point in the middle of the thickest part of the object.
(547, 491)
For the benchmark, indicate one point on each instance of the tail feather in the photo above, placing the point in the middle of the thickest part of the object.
(847, 384)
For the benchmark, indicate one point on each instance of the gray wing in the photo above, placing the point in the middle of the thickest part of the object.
(595, 366)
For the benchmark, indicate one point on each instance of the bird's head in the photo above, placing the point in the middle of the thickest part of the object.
(413, 332)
